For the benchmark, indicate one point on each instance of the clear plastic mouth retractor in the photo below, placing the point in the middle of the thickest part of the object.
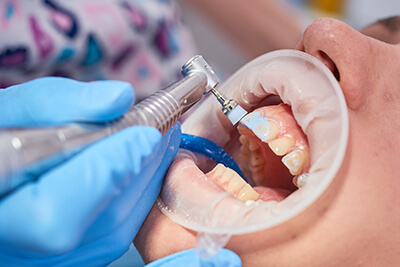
(319, 108)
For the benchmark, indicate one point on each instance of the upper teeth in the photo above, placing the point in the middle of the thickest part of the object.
(280, 140)
(263, 128)
(294, 161)
(281, 146)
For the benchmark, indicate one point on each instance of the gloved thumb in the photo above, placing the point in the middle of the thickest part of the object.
(55, 101)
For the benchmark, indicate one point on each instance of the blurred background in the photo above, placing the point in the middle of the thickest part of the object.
(216, 40)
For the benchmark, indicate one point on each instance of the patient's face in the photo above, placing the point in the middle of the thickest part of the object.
(358, 220)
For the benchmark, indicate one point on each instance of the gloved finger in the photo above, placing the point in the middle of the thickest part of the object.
(65, 201)
(138, 200)
(224, 257)
(55, 100)
(118, 240)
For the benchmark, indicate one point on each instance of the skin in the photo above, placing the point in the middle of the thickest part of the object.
(357, 220)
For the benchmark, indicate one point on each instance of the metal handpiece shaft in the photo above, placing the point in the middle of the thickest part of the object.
(165, 107)
(230, 107)
(26, 153)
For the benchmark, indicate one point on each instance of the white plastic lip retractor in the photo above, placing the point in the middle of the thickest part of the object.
(230, 107)
(298, 78)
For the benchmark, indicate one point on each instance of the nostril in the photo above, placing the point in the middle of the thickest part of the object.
(325, 59)
(336, 74)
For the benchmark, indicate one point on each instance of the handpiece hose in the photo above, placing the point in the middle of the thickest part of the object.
(26, 153)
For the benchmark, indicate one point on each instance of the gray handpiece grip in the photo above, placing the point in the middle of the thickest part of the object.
(27, 153)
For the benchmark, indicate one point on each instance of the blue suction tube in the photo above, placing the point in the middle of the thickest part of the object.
(211, 150)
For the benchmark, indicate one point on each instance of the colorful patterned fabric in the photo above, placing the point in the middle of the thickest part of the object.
(139, 41)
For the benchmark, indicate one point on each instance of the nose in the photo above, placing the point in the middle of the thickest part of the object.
(344, 51)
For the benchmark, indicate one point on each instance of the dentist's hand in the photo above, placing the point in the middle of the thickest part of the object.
(88, 209)
(224, 258)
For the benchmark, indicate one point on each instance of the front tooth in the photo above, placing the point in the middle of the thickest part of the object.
(294, 161)
(236, 182)
(233, 183)
(222, 175)
(247, 193)
(226, 177)
(217, 172)
(300, 180)
(281, 146)
(265, 129)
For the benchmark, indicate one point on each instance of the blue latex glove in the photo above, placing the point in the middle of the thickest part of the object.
(89, 209)
(189, 258)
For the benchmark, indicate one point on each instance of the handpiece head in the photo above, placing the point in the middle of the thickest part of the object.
(230, 108)
(198, 79)
(198, 64)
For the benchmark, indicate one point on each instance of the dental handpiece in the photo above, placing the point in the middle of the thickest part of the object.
(230, 107)
(26, 153)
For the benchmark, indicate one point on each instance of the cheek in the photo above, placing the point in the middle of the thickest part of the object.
(359, 79)
(371, 182)
(345, 222)
(377, 78)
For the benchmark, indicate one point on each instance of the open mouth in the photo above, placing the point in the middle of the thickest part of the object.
(273, 156)
(289, 151)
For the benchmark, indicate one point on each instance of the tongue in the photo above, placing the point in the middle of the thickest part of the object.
(268, 194)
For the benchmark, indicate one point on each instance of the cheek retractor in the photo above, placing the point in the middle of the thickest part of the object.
(317, 104)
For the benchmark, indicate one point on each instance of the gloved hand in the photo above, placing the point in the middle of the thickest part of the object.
(88, 209)
(188, 258)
